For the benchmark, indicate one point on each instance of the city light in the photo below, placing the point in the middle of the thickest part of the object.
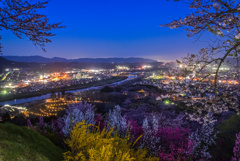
(122, 68)
(146, 67)
(166, 102)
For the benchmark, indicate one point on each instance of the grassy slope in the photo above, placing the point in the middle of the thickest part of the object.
(23, 144)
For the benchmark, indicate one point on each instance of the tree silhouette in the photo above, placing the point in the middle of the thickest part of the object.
(22, 17)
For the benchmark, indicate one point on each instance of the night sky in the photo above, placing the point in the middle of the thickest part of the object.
(111, 28)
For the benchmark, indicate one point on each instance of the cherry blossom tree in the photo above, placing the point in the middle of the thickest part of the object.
(22, 17)
(219, 17)
(203, 139)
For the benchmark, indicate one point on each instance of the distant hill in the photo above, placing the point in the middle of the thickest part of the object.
(40, 59)
(4, 61)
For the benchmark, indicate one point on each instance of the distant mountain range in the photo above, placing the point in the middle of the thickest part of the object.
(4, 63)
(40, 59)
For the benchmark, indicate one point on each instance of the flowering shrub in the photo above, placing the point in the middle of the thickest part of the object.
(99, 122)
(176, 153)
(116, 120)
(162, 141)
(157, 135)
(149, 139)
(165, 119)
(135, 130)
(52, 130)
(177, 135)
(29, 124)
(202, 139)
(56, 126)
(236, 149)
(101, 145)
(76, 113)
(93, 137)
(41, 125)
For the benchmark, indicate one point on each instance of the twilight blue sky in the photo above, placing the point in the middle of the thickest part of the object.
(111, 28)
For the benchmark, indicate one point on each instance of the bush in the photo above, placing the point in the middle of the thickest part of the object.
(19, 120)
(6, 117)
(100, 145)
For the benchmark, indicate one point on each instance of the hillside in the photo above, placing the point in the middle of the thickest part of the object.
(20, 143)
(4, 61)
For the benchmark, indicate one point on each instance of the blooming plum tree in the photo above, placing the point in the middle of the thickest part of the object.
(116, 120)
(76, 113)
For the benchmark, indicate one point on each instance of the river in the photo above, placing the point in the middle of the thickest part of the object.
(46, 96)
